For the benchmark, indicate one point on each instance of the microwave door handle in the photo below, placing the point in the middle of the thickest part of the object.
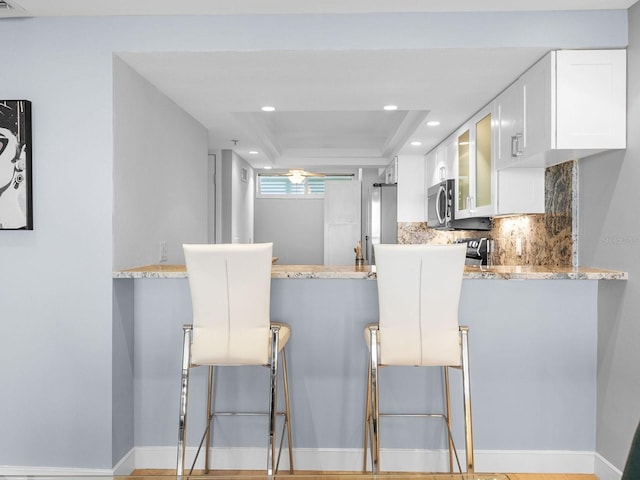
(441, 193)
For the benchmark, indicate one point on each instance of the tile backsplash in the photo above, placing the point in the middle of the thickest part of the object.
(547, 239)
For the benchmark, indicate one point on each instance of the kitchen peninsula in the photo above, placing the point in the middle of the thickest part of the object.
(533, 347)
(504, 272)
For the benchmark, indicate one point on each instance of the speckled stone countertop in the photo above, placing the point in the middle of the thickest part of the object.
(504, 272)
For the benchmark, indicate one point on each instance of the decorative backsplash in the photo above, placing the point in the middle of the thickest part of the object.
(547, 239)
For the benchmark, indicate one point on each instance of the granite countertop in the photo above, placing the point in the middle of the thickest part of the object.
(506, 272)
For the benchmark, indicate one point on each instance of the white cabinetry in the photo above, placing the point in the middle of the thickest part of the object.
(475, 168)
(433, 166)
(412, 201)
(440, 162)
(570, 104)
(524, 116)
(391, 172)
(481, 189)
(519, 191)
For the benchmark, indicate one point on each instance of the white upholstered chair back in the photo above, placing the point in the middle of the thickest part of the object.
(419, 293)
(230, 293)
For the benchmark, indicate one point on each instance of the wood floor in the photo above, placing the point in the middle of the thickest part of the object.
(303, 475)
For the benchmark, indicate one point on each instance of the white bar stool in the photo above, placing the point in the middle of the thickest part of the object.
(231, 292)
(418, 294)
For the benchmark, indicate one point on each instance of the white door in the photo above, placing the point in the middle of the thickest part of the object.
(342, 213)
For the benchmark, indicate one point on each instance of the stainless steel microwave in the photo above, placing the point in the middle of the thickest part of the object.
(440, 205)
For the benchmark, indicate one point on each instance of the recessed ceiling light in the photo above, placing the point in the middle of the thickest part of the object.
(416, 143)
(390, 107)
(433, 123)
(253, 152)
(268, 108)
(267, 167)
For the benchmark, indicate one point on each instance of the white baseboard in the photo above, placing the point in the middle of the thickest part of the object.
(127, 464)
(605, 470)
(124, 467)
(534, 461)
(522, 461)
(15, 471)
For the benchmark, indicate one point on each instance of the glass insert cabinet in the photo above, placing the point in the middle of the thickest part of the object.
(475, 166)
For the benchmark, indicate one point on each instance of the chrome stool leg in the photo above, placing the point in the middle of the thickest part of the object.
(287, 409)
(375, 414)
(367, 419)
(184, 389)
(447, 395)
(209, 420)
(466, 390)
(273, 402)
(372, 414)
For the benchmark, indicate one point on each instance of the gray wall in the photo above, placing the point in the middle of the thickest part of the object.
(533, 357)
(237, 199)
(610, 237)
(56, 333)
(224, 185)
(159, 173)
(123, 364)
(369, 177)
(55, 288)
(295, 226)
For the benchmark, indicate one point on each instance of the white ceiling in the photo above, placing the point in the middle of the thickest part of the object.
(329, 103)
(220, 7)
(327, 115)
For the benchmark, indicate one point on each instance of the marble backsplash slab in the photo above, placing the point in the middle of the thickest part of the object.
(547, 239)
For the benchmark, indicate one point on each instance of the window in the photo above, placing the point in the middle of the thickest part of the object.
(279, 186)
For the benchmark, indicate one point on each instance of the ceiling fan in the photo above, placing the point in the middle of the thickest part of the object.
(9, 10)
(297, 175)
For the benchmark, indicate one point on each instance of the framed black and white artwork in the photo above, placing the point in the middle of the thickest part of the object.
(16, 196)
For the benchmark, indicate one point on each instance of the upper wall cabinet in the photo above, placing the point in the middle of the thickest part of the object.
(391, 172)
(475, 177)
(481, 190)
(569, 105)
(440, 162)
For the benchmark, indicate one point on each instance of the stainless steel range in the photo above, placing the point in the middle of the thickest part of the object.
(477, 250)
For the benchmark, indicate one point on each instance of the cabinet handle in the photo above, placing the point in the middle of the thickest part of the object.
(366, 247)
(470, 203)
(516, 150)
(442, 195)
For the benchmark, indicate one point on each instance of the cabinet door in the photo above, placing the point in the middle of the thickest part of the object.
(520, 190)
(391, 172)
(463, 183)
(450, 153)
(437, 169)
(591, 99)
(483, 161)
(524, 116)
(429, 168)
(474, 180)
(535, 86)
(509, 106)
